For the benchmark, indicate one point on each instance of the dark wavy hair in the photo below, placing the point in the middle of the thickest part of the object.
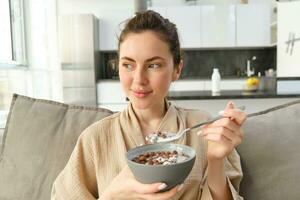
(153, 21)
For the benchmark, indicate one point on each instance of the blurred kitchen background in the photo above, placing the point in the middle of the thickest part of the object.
(66, 51)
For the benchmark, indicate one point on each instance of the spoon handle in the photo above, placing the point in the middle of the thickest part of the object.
(213, 119)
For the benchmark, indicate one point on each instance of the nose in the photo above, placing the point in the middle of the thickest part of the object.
(140, 76)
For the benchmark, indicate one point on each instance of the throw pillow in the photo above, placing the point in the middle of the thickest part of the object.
(37, 142)
(270, 154)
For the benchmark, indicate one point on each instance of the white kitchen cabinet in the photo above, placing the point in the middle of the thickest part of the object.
(227, 84)
(79, 44)
(215, 26)
(218, 25)
(161, 10)
(253, 25)
(190, 85)
(110, 92)
(187, 20)
(110, 95)
(77, 40)
(205, 84)
(114, 106)
(288, 39)
(80, 96)
(110, 28)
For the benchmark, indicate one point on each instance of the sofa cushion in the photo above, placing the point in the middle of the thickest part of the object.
(270, 154)
(37, 142)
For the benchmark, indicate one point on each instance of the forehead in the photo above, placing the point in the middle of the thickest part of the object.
(145, 44)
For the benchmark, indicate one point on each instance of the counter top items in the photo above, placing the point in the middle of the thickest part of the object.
(251, 84)
(216, 82)
(228, 94)
(250, 71)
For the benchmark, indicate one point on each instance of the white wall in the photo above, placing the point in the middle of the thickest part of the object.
(96, 7)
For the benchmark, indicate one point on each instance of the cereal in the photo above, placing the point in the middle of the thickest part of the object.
(156, 136)
(160, 158)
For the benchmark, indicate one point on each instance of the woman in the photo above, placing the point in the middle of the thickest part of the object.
(149, 60)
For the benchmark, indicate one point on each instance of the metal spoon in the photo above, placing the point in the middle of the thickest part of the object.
(169, 136)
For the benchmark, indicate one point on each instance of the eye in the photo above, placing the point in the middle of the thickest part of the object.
(154, 66)
(127, 66)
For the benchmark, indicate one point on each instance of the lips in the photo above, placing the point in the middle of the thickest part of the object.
(141, 93)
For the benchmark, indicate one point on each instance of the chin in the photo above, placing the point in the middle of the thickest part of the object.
(141, 105)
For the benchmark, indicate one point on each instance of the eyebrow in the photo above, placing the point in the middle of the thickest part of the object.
(148, 60)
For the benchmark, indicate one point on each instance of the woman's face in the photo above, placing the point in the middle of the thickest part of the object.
(146, 69)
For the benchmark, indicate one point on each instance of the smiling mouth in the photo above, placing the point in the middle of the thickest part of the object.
(141, 94)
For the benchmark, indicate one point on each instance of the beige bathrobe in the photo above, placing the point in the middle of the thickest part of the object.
(99, 156)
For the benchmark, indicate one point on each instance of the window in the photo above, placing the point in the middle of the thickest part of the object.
(12, 40)
(5, 32)
(12, 54)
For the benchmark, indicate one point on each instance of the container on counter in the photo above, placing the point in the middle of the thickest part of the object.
(216, 82)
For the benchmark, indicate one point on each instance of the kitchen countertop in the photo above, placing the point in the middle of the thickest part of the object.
(227, 94)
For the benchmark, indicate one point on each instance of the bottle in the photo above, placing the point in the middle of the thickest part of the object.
(216, 82)
(248, 68)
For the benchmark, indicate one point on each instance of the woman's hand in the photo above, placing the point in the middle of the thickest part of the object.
(125, 186)
(225, 134)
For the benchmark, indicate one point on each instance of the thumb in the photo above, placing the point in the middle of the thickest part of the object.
(150, 188)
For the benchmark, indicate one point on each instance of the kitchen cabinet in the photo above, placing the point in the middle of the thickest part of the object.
(187, 20)
(115, 107)
(288, 39)
(115, 100)
(110, 28)
(76, 34)
(161, 10)
(253, 25)
(274, 33)
(215, 26)
(227, 84)
(205, 84)
(218, 25)
(79, 44)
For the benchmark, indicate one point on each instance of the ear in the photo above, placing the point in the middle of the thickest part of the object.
(177, 71)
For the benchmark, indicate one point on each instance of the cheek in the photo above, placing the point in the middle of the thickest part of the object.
(125, 79)
(162, 81)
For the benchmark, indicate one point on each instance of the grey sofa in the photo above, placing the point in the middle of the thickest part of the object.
(40, 135)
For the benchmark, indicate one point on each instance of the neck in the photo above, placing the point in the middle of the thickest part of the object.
(149, 119)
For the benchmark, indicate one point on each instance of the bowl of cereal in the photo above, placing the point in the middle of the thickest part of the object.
(161, 162)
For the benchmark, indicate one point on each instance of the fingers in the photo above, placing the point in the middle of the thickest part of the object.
(138, 190)
(149, 188)
(238, 115)
(163, 195)
(220, 139)
(227, 123)
(230, 105)
(222, 134)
